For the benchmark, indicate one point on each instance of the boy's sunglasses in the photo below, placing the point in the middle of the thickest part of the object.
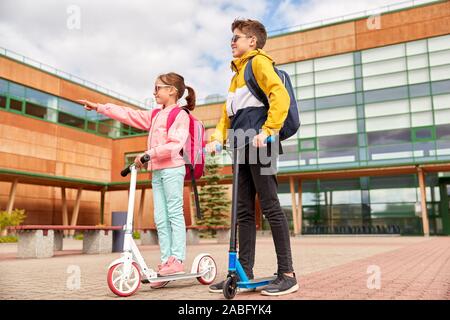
(236, 37)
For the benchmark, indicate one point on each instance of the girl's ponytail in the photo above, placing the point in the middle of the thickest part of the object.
(190, 98)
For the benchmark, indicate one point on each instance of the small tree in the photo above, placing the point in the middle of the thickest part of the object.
(214, 202)
(16, 217)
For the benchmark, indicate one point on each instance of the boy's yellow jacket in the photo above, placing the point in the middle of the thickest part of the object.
(246, 111)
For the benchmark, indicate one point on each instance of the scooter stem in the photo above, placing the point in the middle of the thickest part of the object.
(130, 213)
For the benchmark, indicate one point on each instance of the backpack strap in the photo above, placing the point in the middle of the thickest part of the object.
(252, 84)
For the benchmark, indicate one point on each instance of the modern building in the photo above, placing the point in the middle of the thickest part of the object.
(372, 154)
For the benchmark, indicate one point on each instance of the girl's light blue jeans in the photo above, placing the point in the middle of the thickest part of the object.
(168, 211)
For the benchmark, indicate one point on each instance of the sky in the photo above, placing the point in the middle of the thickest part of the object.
(124, 45)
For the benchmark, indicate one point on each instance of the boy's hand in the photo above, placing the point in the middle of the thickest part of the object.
(212, 146)
(260, 140)
(88, 105)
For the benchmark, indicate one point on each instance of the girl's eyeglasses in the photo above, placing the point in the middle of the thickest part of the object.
(157, 87)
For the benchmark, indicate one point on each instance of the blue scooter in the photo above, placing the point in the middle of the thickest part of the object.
(237, 278)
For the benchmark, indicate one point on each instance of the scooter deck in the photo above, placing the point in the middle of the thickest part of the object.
(180, 276)
(254, 283)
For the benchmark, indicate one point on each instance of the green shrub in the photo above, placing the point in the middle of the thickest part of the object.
(8, 239)
(78, 236)
(16, 217)
(136, 235)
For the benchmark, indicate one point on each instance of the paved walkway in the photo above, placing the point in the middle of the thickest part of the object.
(326, 267)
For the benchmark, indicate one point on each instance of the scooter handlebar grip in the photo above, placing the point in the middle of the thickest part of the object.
(144, 159)
(270, 139)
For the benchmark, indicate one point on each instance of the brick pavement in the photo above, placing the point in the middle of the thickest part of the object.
(327, 268)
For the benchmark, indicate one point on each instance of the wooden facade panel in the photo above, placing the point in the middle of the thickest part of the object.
(28, 76)
(26, 163)
(23, 134)
(86, 173)
(403, 33)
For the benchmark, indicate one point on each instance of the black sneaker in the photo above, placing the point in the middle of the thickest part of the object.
(218, 288)
(281, 285)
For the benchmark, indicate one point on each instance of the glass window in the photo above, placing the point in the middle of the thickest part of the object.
(70, 120)
(439, 58)
(334, 75)
(422, 119)
(289, 68)
(306, 105)
(308, 157)
(420, 104)
(393, 195)
(307, 144)
(307, 117)
(336, 114)
(441, 87)
(331, 62)
(443, 132)
(338, 141)
(418, 76)
(442, 116)
(386, 66)
(336, 101)
(335, 88)
(439, 43)
(305, 92)
(383, 53)
(16, 90)
(416, 47)
(385, 108)
(72, 108)
(35, 110)
(307, 131)
(2, 102)
(389, 137)
(389, 122)
(3, 86)
(386, 152)
(40, 98)
(305, 66)
(386, 94)
(423, 133)
(440, 72)
(305, 79)
(15, 104)
(333, 128)
(385, 81)
(336, 156)
(441, 101)
(418, 62)
(419, 90)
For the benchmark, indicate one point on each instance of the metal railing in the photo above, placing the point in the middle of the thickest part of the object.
(65, 75)
(351, 16)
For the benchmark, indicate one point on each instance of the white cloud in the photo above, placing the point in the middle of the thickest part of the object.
(124, 45)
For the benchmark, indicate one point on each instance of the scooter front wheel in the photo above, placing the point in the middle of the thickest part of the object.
(230, 288)
(121, 286)
(207, 262)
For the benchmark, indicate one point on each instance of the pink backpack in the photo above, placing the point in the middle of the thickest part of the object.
(192, 151)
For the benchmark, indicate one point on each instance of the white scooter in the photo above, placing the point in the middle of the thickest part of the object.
(126, 274)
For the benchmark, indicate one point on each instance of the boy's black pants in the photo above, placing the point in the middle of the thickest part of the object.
(252, 182)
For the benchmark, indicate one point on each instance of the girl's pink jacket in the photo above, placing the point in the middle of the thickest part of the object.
(162, 146)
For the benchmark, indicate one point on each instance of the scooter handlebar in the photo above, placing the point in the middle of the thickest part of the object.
(144, 159)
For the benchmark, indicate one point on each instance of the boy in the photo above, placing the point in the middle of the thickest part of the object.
(243, 111)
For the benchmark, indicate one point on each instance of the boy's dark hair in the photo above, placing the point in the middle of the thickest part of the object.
(251, 28)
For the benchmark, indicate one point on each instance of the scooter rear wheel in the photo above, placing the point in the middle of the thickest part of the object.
(230, 288)
(120, 286)
(204, 263)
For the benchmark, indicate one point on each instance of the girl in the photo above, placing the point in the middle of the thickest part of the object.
(166, 163)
